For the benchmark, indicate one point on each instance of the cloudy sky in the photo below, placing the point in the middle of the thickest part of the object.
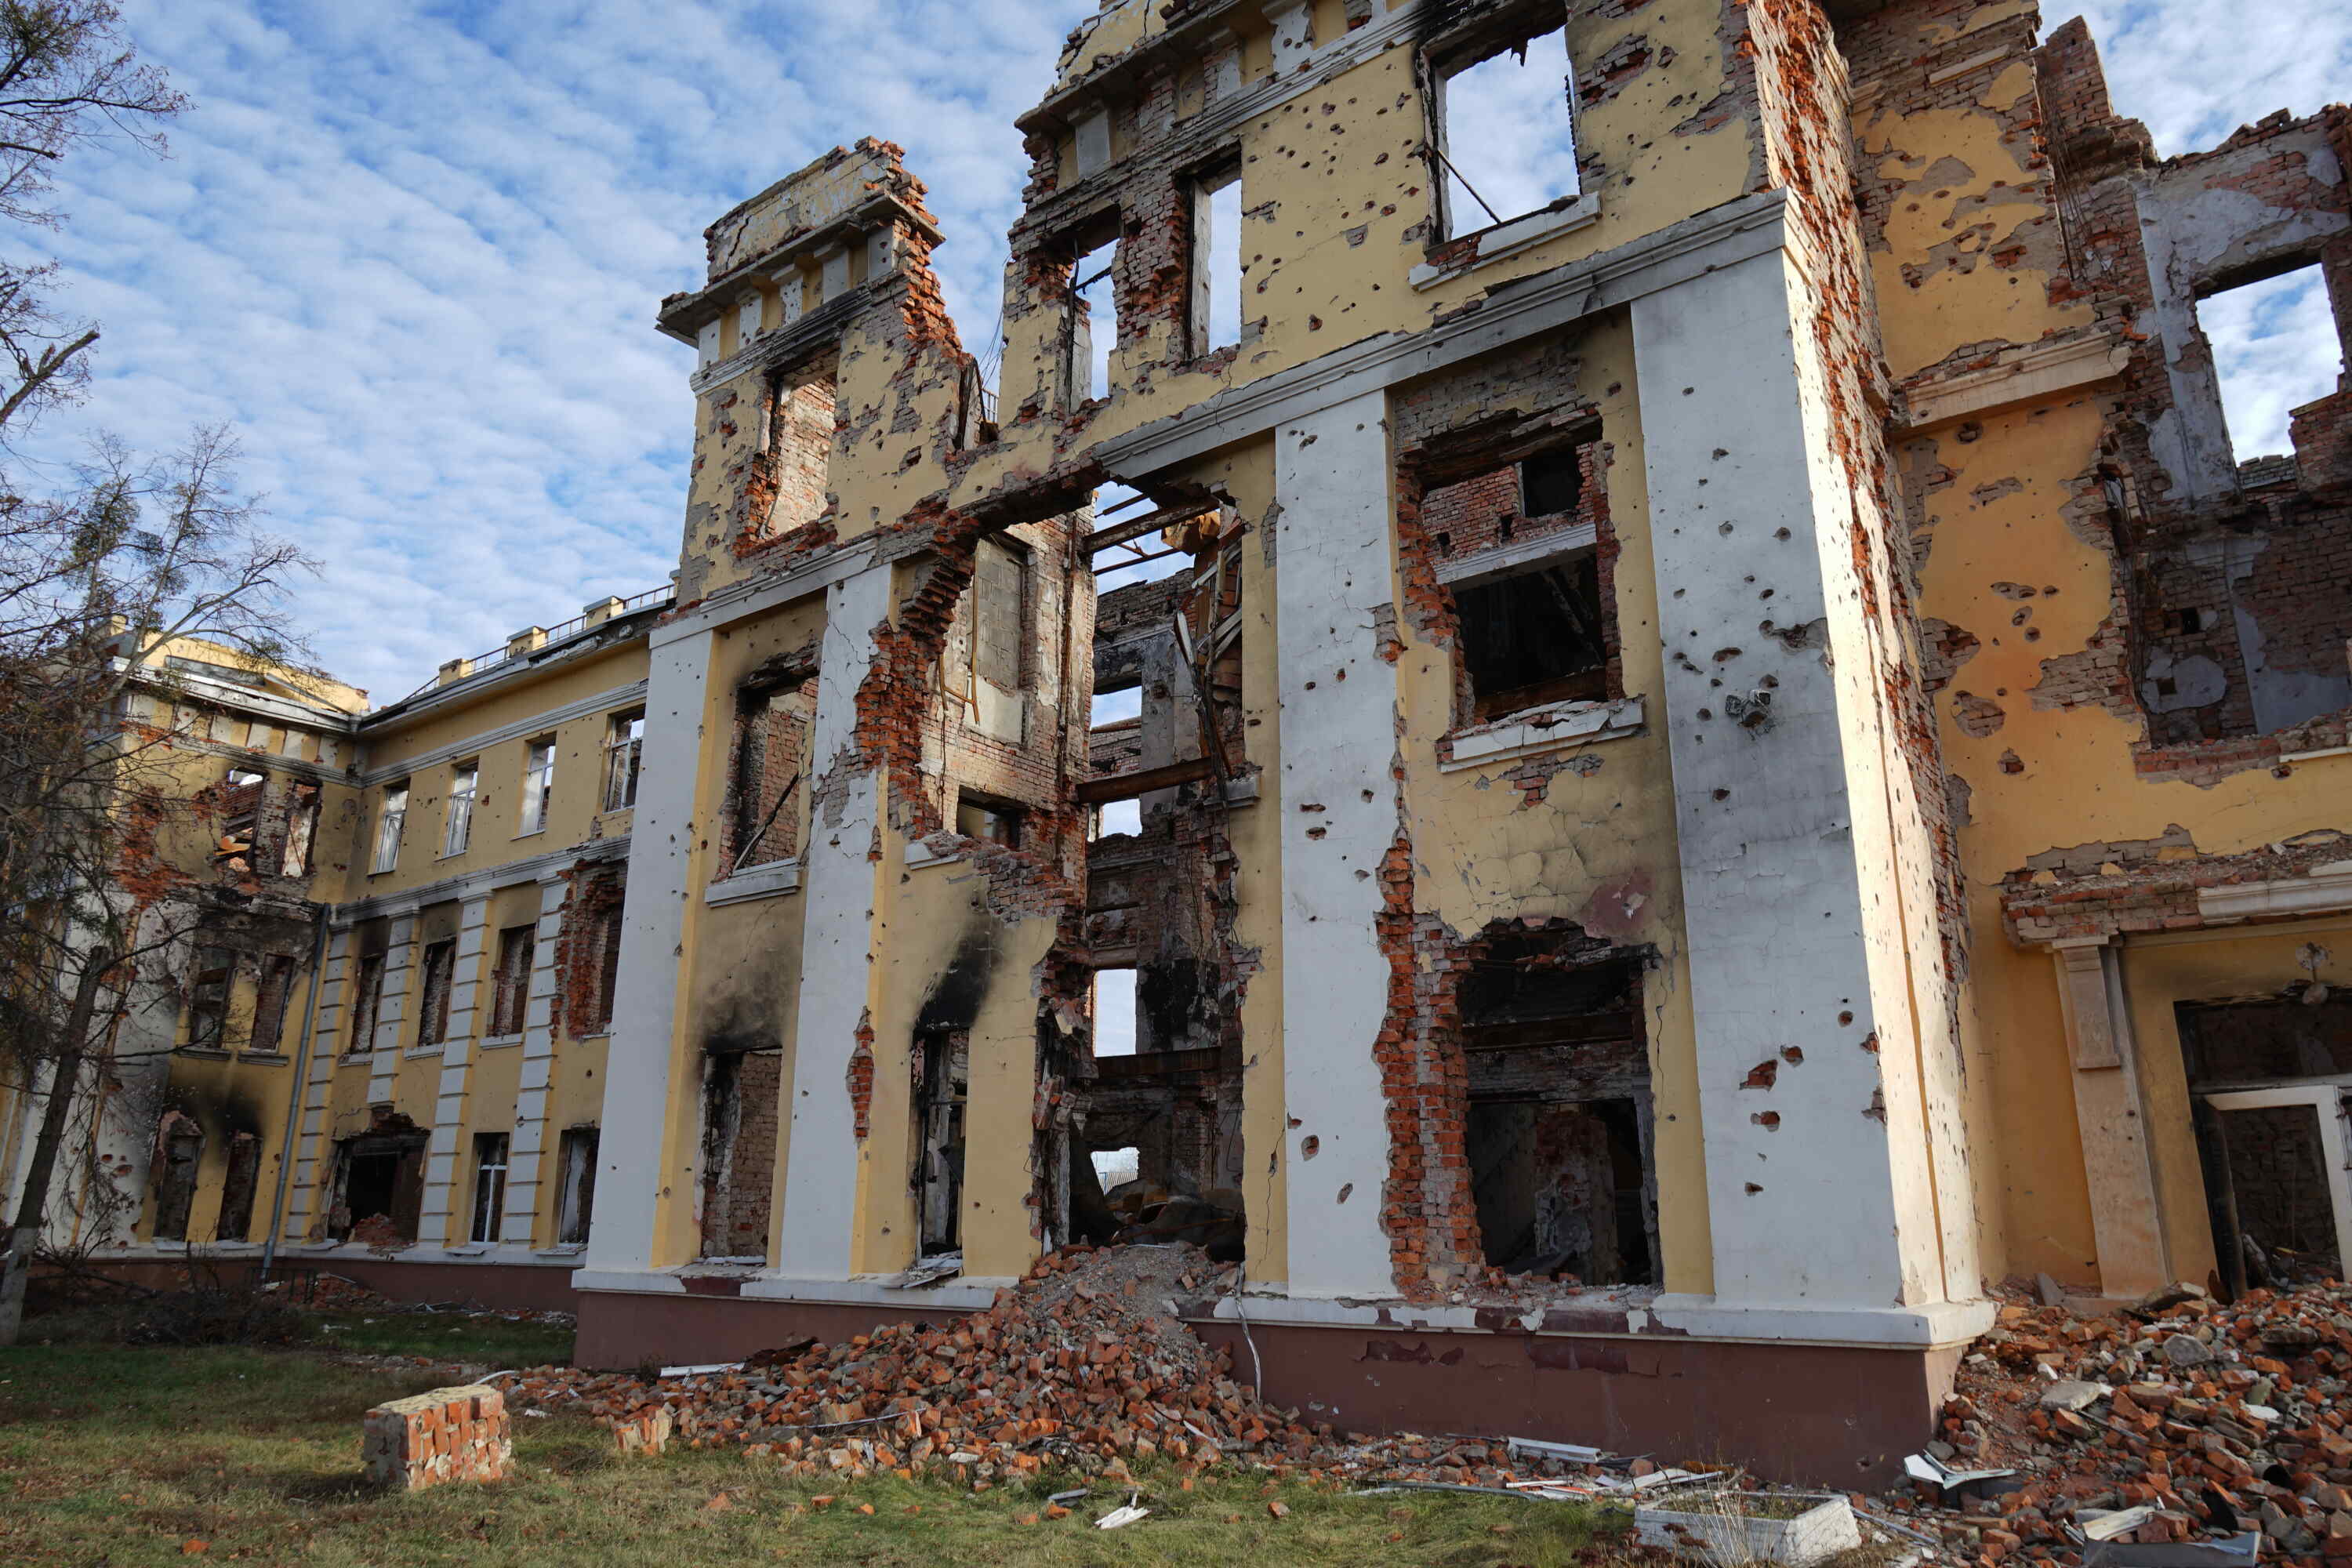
(412, 252)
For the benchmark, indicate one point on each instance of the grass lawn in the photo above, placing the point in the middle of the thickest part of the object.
(121, 1455)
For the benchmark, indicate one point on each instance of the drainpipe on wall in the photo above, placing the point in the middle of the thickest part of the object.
(294, 1099)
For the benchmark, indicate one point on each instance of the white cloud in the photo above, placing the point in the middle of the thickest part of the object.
(412, 251)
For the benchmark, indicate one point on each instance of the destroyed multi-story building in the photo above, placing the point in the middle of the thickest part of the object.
(1731, 752)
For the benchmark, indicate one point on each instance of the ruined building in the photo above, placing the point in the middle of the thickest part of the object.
(1731, 752)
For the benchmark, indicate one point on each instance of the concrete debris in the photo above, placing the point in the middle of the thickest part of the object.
(2223, 1433)
(1722, 1532)
(1120, 1518)
(926, 1271)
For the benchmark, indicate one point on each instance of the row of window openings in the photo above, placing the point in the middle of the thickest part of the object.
(510, 1008)
(624, 758)
(372, 1182)
(1504, 144)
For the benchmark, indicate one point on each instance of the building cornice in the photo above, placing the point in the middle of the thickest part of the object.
(483, 740)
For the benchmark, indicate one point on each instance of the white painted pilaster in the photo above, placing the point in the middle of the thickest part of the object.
(447, 1210)
(838, 893)
(2127, 1216)
(305, 1200)
(527, 1168)
(1820, 1181)
(662, 841)
(1339, 816)
(391, 1010)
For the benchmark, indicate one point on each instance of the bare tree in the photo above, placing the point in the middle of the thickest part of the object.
(98, 577)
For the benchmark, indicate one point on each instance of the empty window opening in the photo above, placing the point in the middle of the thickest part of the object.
(1117, 707)
(367, 1002)
(739, 1153)
(575, 1193)
(432, 997)
(383, 1178)
(208, 990)
(538, 786)
(1558, 1131)
(984, 661)
(943, 1061)
(624, 744)
(269, 1004)
(1114, 1012)
(511, 984)
(458, 830)
(490, 1184)
(238, 1187)
(387, 828)
(771, 737)
(1552, 484)
(1092, 322)
(240, 809)
(2275, 350)
(1118, 816)
(175, 1178)
(301, 830)
(1533, 637)
(1505, 140)
(797, 449)
(998, 822)
(1219, 271)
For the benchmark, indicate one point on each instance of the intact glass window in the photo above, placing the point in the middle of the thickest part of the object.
(465, 782)
(538, 786)
(388, 828)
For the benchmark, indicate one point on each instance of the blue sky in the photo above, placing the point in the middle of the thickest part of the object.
(412, 252)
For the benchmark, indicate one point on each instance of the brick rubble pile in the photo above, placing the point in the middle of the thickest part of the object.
(1081, 1366)
(2217, 1419)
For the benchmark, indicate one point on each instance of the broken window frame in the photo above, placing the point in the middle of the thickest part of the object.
(757, 813)
(492, 1151)
(391, 819)
(240, 1185)
(608, 930)
(212, 981)
(242, 788)
(538, 786)
(275, 990)
(301, 829)
(941, 1064)
(1438, 66)
(576, 1192)
(179, 1158)
(991, 819)
(367, 1002)
(437, 977)
(510, 980)
(457, 827)
(624, 744)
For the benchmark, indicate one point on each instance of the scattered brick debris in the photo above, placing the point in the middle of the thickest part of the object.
(2177, 1420)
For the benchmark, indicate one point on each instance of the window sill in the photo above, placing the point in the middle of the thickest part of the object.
(1509, 238)
(499, 1042)
(435, 1049)
(204, 1053)
(451, 855)
(468, 1250)
(921, 853)
(771, 880)
(265, 1058)
(1536, 730)
(568, 1249)
(533, 833)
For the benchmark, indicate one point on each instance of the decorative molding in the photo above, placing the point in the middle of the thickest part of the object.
(538, 723)
(2027, 374)
(776, 878)
(480, 884)
(1736, 231)
(2326, 890)
(1538, 730)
